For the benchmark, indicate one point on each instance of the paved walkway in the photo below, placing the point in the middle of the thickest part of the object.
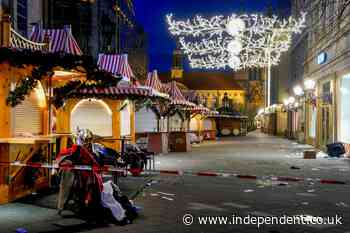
(168, 198)
(256, 154)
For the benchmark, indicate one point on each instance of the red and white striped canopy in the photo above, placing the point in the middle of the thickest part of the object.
(175, 94)
(61, 40)
(116, 64)
(153, 81)
(118, 92)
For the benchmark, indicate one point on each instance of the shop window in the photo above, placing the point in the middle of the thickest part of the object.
(344, 109)
(94, 115)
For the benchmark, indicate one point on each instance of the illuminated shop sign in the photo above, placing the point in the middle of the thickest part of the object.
(321, 58)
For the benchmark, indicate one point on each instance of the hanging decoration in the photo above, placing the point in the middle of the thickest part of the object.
(236, 41)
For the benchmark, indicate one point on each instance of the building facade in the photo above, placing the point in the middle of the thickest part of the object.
(320, 55)
(328, 64)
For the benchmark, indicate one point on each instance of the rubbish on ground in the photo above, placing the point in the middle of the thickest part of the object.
(21, 230)
(342, 204)
(305, 203)
(294, 167)
(167, 198)
(152, 182)
(311, 190)
(282, 183)
(321, 154)
(315, 169)
(154, 194)
(248, 190)
(167, 194)
(310, 154)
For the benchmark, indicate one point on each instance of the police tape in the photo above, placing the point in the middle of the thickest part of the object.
(110, 168)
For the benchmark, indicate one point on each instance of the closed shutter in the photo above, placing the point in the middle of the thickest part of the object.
(125, 126)
(146, 121)
(92, 115)
(28, 117)
(194, 124)
(208, 125)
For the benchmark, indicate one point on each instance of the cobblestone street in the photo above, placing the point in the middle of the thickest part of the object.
(166, 199)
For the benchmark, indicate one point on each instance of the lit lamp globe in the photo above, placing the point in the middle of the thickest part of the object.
(291, 100)
(234, 62)
(235, 26)
(309, 84)
(234, 47)
(286, 102)
(298, 90)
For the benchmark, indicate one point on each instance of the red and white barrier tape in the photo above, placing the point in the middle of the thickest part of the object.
(172, 172)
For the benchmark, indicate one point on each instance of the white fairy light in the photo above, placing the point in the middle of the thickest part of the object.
(234, 47)
(234, 62)
(263, 40)
(235, 26)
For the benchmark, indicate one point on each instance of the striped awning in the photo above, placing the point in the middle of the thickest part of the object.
(153, 81)
(118, 92)
(175, 94)
(61, 40)
(116, 64)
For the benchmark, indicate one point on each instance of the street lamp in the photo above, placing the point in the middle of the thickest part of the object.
(298, 91)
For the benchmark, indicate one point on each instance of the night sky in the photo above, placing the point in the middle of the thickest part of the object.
(151, 15)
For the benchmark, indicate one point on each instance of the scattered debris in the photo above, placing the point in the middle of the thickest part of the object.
(305, 203)
(315, 169)
(294, 168)
(311, 190)
(248, 190)
(154, 194)
(167, 198)
(167, 194)
(342, 204)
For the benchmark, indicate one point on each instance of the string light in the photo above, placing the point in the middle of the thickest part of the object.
(253, 40)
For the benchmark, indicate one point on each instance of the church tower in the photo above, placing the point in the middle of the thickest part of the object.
(177, 65)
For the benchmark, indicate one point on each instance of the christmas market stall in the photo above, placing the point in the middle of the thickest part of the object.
(151, 124)
(178, 117)
(29, 71)
(228, 121)
(107, 109)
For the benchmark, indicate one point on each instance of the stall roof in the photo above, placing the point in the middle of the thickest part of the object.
(61, 40)
(117, 64)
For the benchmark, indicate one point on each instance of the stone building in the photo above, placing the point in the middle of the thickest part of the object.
(243, 90)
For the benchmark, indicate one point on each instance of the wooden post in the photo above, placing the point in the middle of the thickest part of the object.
(5, 30)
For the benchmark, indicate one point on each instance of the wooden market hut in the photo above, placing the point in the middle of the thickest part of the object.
(107, 111)
(28, 71)
(151, 125)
